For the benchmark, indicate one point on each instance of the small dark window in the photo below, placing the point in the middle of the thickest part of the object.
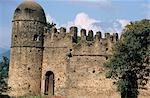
(106, 58)
(106, 49)
(18, 10)
(29, 86)
(15, 35)
(36, 37)
(93, 71)
(29, 68)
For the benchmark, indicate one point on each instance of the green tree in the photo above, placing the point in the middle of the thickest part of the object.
(130, 63)
(4, 66)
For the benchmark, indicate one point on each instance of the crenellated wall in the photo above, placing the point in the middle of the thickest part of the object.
(77, 62)
(61, 38)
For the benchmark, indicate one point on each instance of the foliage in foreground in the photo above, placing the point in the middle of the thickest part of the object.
(4, 66)
(129, 65)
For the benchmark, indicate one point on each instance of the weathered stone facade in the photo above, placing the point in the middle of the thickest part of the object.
(26, 49)
(56, 62)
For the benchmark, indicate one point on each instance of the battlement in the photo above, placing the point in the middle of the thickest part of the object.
(83, 35)
(83, 42)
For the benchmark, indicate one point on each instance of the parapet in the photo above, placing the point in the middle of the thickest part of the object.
(72, 35)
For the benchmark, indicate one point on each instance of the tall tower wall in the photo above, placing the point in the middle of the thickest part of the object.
(26, 50)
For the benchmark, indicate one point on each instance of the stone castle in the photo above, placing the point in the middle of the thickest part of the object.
(56, 62)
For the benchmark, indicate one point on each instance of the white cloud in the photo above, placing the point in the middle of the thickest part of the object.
(82, 20)
(123, 22)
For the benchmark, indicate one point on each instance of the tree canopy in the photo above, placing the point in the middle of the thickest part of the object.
(130, 63)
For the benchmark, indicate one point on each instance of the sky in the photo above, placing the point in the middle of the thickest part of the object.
(99, 15)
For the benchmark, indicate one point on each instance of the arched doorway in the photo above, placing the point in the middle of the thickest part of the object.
(49, 83)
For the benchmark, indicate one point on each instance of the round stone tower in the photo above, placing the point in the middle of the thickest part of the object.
(26, 49)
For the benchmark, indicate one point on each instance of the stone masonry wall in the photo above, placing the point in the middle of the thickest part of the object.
(77, 66)
(87, 78)
(24, 72)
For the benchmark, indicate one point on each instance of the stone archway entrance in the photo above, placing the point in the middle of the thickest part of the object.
(49, 83)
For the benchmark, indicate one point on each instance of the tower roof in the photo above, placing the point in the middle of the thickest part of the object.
(29, 10)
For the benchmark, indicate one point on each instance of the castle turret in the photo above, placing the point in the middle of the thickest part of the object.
(26, 49)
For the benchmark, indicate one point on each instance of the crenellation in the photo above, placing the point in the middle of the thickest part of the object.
(111, 38)
(92, 43)
(53, 30)
(83, 34)
(107, 35)
(62, 30)
(115, 36)
(90, 36)
(71, 38)
(98, 36)
(74, 32)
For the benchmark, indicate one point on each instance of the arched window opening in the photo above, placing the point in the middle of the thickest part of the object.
(49, 83)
